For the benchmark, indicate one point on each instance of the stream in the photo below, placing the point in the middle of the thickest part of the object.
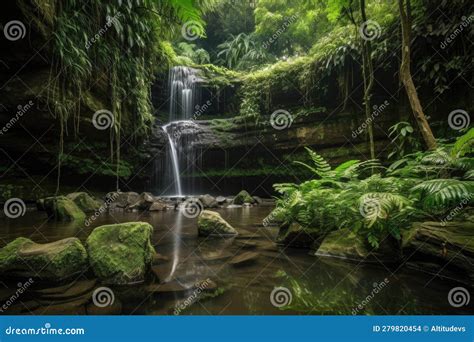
(316, 285)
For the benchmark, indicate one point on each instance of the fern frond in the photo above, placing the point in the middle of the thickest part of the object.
(464, 145)
(443, 193)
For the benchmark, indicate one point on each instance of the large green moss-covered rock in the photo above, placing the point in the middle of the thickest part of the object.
(211, 223)
(243, 197)
(344, 243)
(445, 249)
(53, 261)
(296, 235)
(61, 208)
(121, 253)
(85, 202)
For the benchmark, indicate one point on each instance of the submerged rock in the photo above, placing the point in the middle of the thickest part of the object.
(244, 259)
(61, 208)
(297, 236)
(345, 244)
(85, 202)
(243, 197)
(211, 223)
(158, 206)
(51, 261)
(444, 249)
(208, 201)
(121, 253)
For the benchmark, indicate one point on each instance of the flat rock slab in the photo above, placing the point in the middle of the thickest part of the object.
(217, 256)
(244, 259)
(77, 289)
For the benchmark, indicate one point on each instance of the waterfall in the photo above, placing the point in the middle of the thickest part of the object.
(183, 94)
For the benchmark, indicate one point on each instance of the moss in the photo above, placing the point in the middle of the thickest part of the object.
(243, 197)
(56, 260)
(121, 253)
(61, 208)
(85, 202)
(211, 223)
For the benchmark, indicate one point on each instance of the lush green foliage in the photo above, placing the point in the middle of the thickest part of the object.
(376, 204)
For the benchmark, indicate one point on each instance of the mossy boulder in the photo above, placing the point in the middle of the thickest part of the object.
(61, 208)
(85, 202)
(121, 253)
(446, 249)
(243, 197)
(211, 223)
(346, 244)
(296, 235)
(51, 261)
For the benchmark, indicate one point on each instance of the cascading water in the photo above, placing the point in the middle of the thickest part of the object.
(183, 94)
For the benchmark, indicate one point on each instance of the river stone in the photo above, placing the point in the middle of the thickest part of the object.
(61, 208)
(50, 261)
(85, 202)
(296, 235)
(122, 199)
(121, 253)
(211, 223)
(435, 247)
(345, 244)
(208, 201)
(144, 202)
(244, 259)
(243, 197)
(220, 199)
(158, 206)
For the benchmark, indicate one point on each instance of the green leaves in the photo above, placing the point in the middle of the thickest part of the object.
(439, 195)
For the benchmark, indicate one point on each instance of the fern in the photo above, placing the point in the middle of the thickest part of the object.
(444, 193)
(463, 145)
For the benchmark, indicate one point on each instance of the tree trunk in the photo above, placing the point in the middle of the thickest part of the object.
(368, 75)
(407, 80)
